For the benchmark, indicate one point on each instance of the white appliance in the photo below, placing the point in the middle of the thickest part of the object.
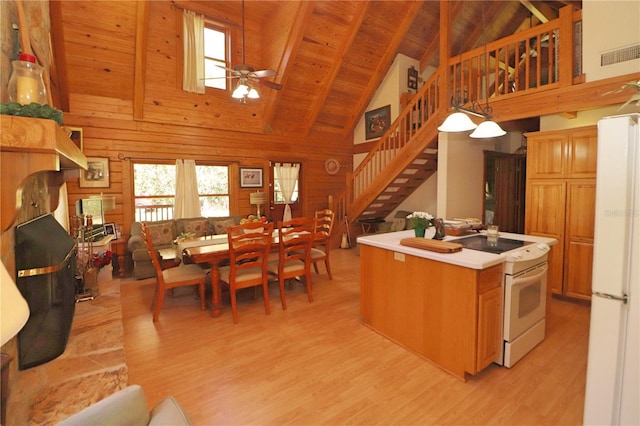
(525, 302)
(613, 376)
(525, 289)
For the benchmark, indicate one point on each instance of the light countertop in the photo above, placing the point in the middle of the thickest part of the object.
(467, 258)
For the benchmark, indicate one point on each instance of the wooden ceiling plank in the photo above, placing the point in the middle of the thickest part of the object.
(142, 23)
(329, 82)
(286, 64)
(402, 26)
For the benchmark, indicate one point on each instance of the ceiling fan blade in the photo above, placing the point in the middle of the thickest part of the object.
(264, 73)
(270, 84)
(214, 78)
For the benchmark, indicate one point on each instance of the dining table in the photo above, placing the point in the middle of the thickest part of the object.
(211, 250)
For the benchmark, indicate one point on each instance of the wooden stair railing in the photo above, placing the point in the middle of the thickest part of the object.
(503, 69)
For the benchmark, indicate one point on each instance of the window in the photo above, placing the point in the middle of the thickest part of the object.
(154, 190)
(278, 198)
(215, 56)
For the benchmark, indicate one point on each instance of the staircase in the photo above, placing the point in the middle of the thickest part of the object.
(406, 155)
(402, 159)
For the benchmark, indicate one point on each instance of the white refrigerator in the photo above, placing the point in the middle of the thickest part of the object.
(613, 376)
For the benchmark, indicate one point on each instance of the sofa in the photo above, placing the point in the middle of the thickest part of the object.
(164, 233)
(129, 407)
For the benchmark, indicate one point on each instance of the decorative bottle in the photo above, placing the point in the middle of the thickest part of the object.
(26, 84)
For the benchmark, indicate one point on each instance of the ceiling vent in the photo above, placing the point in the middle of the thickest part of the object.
(620, 55)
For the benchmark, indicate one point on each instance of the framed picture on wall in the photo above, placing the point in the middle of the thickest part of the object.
(377, 121)
(76, 136)
(97, 173)
(250, 177)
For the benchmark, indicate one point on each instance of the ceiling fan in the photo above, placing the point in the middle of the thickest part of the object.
(247, 76)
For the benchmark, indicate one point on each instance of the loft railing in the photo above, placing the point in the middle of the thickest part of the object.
(521, 63)
(544, 57)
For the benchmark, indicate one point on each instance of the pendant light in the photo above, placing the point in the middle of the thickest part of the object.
(459, 121)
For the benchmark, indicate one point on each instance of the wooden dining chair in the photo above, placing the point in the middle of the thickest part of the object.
(322, 240)
(180, 276)
(249, 247)
(293, 259)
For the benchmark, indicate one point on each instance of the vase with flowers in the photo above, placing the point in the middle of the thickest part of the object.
(420, 221)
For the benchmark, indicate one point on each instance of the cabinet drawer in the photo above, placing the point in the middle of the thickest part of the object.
(489, 278)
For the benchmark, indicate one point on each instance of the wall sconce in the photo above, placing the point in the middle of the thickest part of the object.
(258, 199)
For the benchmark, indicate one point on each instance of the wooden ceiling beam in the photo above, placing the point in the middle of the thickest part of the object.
(285, 64)
(140, 58)
(386, 59)
(58, 72)
(454, 10)
(347, 41)
(535, 11)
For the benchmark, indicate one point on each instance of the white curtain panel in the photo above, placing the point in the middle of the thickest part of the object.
(287, 178)
(193, 35)
(187, 201)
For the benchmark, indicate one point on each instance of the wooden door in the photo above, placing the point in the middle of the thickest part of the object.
(545, 216)
(546, 155)
(505, 182)
(276, 210)
(578, 261)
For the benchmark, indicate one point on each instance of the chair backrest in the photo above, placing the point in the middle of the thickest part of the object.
(324, 224)
(295, 239)
(249, 246)
(146, 234)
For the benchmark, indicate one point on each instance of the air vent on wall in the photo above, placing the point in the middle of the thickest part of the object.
(620, 55)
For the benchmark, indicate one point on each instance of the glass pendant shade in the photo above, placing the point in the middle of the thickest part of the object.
(488, 129)
(253, 94)
(457, 122)
(241, 91)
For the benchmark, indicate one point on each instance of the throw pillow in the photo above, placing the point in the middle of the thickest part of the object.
(220, 226)
(161, 233)
(198, 227)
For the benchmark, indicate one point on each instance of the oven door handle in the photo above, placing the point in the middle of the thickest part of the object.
(527, 279)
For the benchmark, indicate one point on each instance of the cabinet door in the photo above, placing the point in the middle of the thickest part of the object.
(581, 198)
(545, 216)
(489, 326)
(583, 153)
(547, 155)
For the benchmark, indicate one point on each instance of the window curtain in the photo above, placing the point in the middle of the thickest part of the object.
(193, 36)
(187, 200)
(287, 175)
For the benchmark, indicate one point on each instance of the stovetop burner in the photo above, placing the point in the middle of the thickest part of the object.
(491, 245)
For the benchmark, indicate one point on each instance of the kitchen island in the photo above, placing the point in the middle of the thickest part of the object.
(446, 307)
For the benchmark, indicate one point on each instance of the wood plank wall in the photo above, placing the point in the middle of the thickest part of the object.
(207, 128)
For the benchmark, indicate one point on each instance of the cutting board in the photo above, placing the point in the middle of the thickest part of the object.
(431, 245)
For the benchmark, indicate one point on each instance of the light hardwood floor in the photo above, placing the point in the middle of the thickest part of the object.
(316, 363)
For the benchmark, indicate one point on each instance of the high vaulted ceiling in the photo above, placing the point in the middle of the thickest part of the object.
(330, 55)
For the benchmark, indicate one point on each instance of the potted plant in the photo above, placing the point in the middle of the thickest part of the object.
(420, 221)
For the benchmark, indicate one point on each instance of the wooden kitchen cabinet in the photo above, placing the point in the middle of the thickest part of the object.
(490, 299)
(567, 154)
(449, 314)
(581, 199)
(560, 203)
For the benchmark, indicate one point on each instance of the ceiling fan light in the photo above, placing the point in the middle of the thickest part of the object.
(253, 94)
(457, 122)
(488, 129)
(241, 91)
